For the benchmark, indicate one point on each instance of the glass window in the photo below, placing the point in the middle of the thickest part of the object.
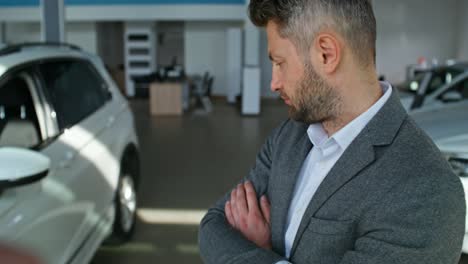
(75, 89)
(19, 126)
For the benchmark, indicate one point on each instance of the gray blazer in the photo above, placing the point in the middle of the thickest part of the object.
(390, 198)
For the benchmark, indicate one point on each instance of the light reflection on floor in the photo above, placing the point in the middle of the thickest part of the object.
(171, 216)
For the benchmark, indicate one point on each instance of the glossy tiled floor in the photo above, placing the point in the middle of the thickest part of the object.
(187, 163)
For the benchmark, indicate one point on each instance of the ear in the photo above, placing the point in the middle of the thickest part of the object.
(328, 52)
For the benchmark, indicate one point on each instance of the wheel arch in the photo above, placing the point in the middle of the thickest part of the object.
(130, 162)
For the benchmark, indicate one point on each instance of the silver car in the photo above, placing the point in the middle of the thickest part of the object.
(68, 154)
(447, 124)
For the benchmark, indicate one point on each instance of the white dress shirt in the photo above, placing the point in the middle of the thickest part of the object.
(324, 154)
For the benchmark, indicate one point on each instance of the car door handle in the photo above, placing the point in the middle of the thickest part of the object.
(65, 163)
(110, 121)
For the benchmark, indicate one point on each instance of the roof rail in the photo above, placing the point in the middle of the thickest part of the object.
(18, 47)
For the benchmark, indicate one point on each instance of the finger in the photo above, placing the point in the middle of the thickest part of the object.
(233, 196)
(241, 201)
(252, 201)
(265, 205)
(233, 203)
(229, 216)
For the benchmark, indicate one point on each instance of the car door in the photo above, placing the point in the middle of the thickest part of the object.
(32, 216)
(85, 163)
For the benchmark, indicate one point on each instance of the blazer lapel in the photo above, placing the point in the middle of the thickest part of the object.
(283, 189)
(380, 131)
(356, 157)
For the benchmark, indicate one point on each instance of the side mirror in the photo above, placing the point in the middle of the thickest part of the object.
(20, 166)
(451, 97)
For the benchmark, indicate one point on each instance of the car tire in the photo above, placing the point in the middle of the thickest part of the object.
(126, 204)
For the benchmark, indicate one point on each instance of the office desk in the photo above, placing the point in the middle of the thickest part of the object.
(166, 98)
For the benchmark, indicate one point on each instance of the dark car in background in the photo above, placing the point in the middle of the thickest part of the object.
(426, 81)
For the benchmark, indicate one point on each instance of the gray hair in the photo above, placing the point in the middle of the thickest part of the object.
(301, 20)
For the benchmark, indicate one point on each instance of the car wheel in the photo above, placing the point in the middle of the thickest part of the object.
(125, 209)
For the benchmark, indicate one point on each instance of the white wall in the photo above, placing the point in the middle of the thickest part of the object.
(407, 30)
(82, 34)
(23, 32)
(205, 48)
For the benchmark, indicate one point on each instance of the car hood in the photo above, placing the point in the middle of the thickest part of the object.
(447, 126)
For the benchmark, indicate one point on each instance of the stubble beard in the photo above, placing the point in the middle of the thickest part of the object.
(315, 100)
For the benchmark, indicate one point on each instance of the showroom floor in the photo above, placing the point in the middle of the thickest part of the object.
(187, 163)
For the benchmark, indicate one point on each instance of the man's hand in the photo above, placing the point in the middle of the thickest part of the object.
(244, 214)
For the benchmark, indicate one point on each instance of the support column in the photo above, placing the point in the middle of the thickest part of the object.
(234, 63)
(53, 20)
(251, 71)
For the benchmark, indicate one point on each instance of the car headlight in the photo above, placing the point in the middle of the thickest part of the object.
(459, 166)
(414, 86)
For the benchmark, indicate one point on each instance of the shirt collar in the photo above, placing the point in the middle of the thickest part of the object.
(319, 138)
(348, 133)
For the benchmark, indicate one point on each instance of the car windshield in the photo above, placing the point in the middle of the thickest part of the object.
(438, 79)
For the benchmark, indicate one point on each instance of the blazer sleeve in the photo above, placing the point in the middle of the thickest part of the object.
(421, 220)
(218, 242)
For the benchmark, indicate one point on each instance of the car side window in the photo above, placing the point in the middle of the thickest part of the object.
(75, 90)
(19, 126)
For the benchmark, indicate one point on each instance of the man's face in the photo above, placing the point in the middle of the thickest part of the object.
(309, 97)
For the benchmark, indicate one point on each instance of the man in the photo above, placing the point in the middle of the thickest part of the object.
(349, 178)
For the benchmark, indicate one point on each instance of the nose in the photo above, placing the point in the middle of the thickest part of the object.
(275, 84)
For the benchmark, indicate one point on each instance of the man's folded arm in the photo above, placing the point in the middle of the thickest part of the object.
(218, 241)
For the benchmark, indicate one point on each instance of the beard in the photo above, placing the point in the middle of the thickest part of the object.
(315, 101)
